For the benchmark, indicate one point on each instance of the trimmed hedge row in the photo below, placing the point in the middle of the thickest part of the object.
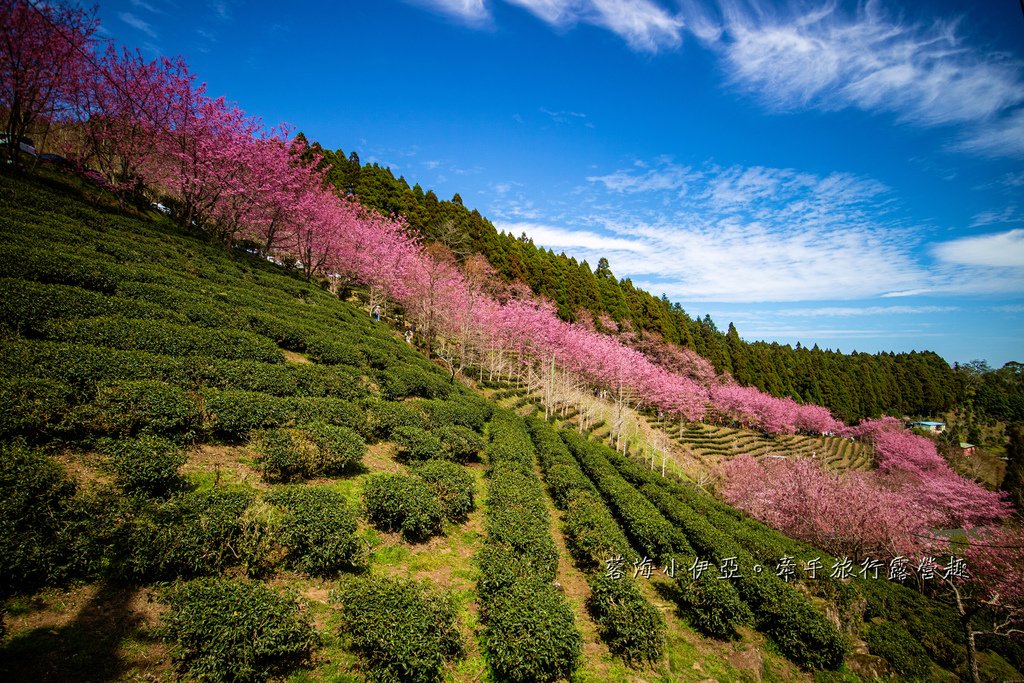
(402, 630)
(452, 485)
(319, 450)
(396, 502)
(801, 632)
(158, 336)
(531, 634)
(319, 530)
(226, 630)
(633, 628)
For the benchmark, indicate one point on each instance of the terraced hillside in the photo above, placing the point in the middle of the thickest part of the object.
(211, 469)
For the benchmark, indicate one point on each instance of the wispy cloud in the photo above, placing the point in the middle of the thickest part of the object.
(1011, 214)
(560, 238)
(1003, 137)
(563, 116)
(137, 23)
(858, 311)
(472, 12)
(998, 250)
(667, 176)
(143, 5)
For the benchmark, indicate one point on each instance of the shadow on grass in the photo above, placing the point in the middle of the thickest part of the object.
(88, 648)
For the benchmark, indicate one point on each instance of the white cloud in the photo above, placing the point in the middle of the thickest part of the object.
(136, 23)
(854, 311)
(665, 177)
(560, 238)
(644, 25)
(998, 250)
(472, 12)
(1003, 137)
(829, 59)
(1008, 215)
(557, 12)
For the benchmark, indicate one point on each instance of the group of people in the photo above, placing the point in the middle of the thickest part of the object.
(409, 332)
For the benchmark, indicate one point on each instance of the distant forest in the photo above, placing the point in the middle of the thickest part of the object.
(853, 386)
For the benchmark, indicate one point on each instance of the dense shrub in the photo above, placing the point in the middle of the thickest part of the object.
(452, 485)
(318, 529)
(310, 410)
(147, 406)
(711, 604)
(188, 535)
(632, 627)
(459, 443)
(334, 382)
(36, 504)
(402, 630)
(50, 265)
(465, 410)
(232, 414)
(146, 464)
(531, 633)
(415, 444)
(396, 502)
(329, 351)
(591, 532)
(157, 336)
(384, 417)
(340, 449)
(33, 406)
(224, 630)
(906, 656)
(412, 380)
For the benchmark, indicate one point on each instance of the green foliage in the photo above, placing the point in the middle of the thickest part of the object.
(402, 630)
(309, 410)
(192, 534)
(36, 513)
(384, 417)
(224, 630)
(232, 414)
(459, 443)
(319, 530)
(531, 633)
(711, 605)
(395, 502)
(406, 380)
(906, 656)
(157, 336)
(146, 464)
(319, 450)
(464, 409)
(33, 407)
(633, 628)
(415, 444)
(452, 485)
(147, 406)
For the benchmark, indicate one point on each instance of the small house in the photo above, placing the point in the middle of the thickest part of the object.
(967, 448)
(929, 426)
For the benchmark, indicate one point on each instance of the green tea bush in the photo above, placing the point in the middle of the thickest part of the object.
(632, 627)
(146, 464)
(412, 380)
(452, 485)
(340, 449)
(25, 306)
(320, 409)
(232, 414)
(459, 443)
(319, 530)
(50, 265)
(402, 630)
(416, 445)
(33, 406)
(333, 382)
(328, 351)
(531, 633)
(169, 339)
(384, 417)
(275, 379)
(224, 630)
(36, 506)
(906, 656)
(285, 334)
(147, 406)
(463, 409)
(396, 502)
(591, 532)
(711, 605)
(192, 534)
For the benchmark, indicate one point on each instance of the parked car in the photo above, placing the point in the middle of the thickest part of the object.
(24, 144)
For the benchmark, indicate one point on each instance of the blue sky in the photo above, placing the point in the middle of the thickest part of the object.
(846, 174)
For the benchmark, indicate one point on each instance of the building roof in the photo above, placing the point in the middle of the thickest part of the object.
(929, 423)
(964, 444)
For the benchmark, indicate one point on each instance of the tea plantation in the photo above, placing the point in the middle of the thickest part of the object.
(213, 470)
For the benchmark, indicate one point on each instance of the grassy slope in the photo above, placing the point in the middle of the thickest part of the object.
(145, 268)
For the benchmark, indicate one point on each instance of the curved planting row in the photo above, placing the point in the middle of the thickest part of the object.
(531, 634)
(630, 625)
(802, 633)
(712, 606)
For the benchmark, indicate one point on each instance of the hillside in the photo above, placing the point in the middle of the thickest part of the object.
(213, 468)
(853, 386)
